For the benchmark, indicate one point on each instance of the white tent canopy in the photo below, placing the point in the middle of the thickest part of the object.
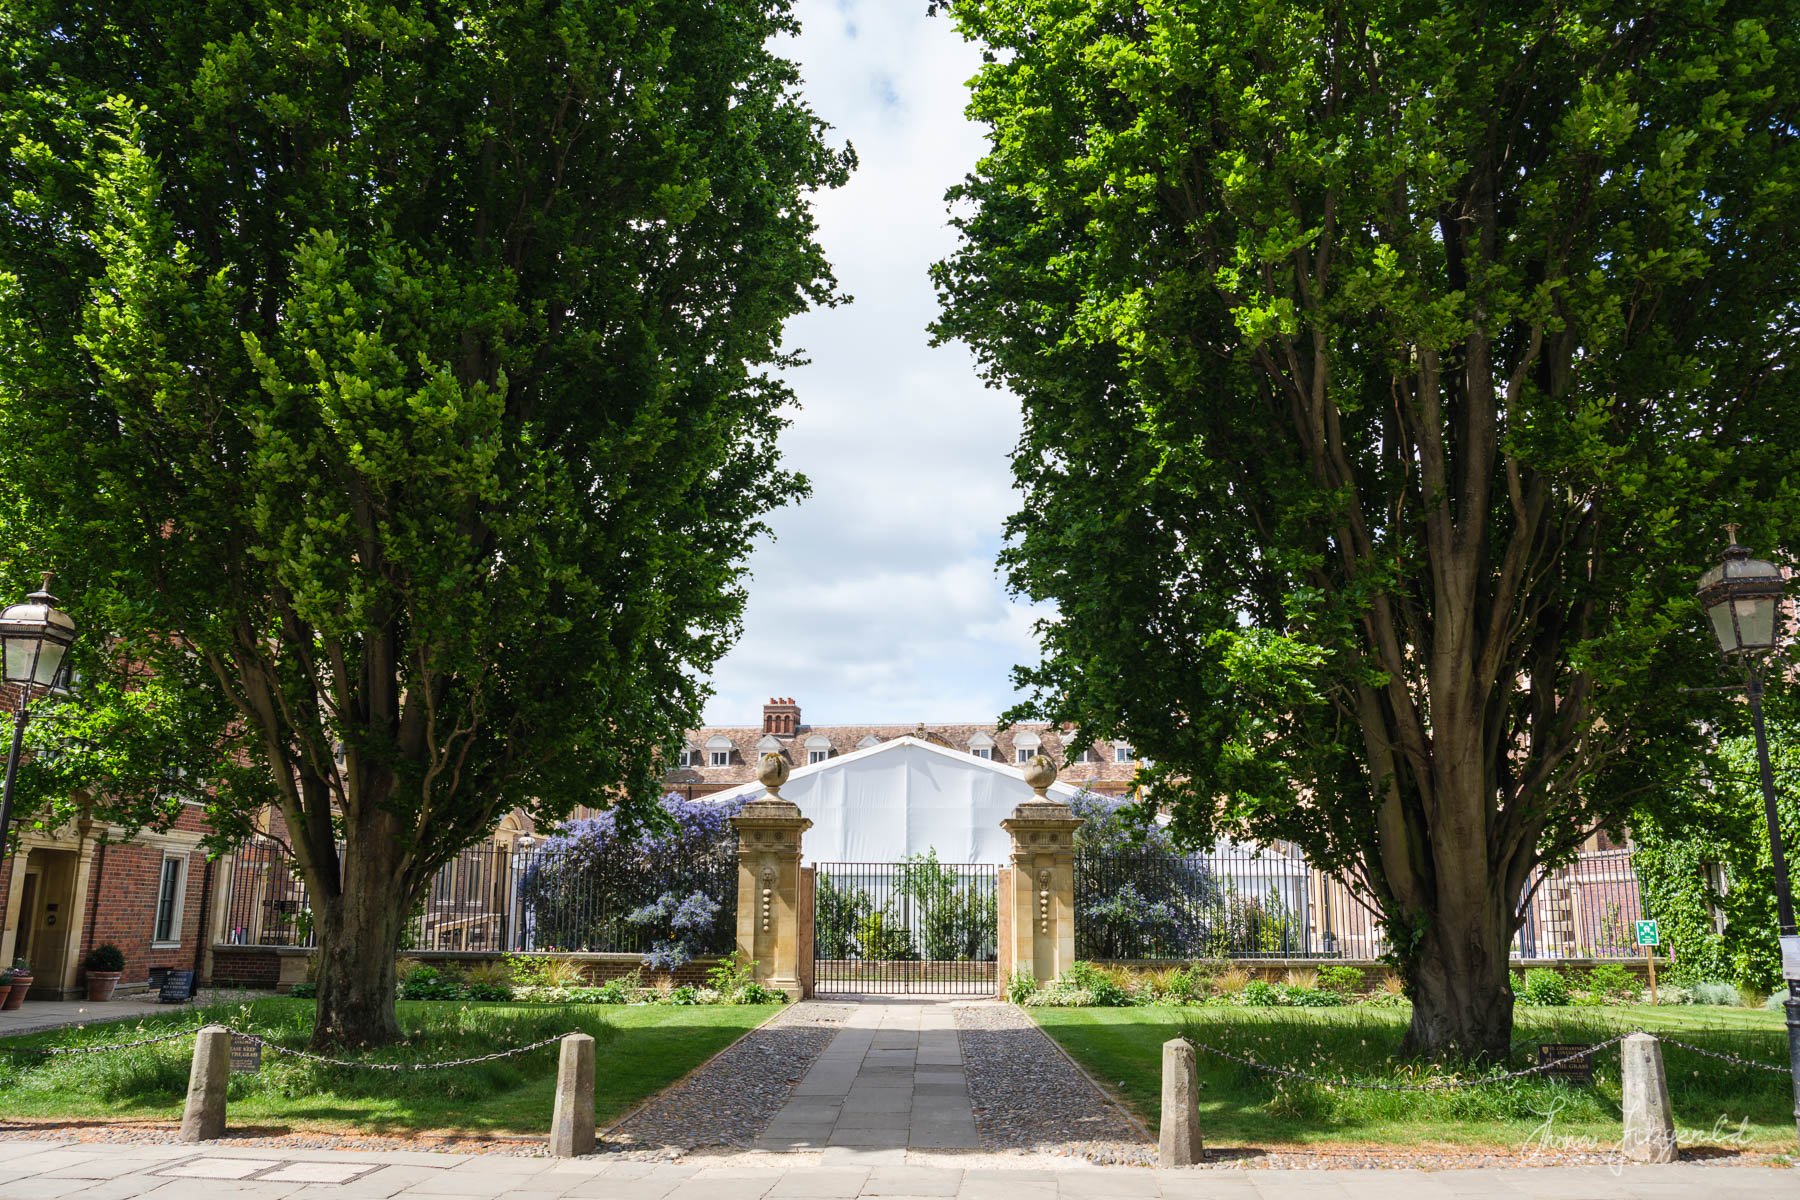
(901, 797)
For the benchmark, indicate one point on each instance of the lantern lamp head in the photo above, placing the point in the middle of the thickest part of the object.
(34, 641)
(1742, 597)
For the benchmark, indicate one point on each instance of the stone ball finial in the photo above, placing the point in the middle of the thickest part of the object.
(773, 772)
(1039, 773)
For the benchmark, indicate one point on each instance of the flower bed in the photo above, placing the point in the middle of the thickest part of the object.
(533, 980)
(1222, 983)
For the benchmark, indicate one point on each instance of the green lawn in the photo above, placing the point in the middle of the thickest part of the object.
(1122, 1048)
(639, 1051)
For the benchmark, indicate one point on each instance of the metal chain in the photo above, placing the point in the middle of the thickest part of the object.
(368, 1066)
(1435, 1085)
(1725, 1056)
(168, 1037)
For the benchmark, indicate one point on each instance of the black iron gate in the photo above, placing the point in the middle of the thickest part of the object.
(905, 927)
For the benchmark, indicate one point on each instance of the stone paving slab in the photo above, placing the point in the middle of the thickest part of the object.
(302, 1175)
(891, 1079)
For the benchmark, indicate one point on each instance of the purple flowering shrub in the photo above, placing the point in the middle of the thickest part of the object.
(585, 887)
(678, 925)
(1137, 895)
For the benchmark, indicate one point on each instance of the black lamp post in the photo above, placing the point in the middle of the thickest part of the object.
(34, 646)
(1743, 597)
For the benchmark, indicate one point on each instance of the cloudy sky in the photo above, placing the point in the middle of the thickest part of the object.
(878, 599)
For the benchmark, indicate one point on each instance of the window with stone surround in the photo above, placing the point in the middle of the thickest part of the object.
(170, 887)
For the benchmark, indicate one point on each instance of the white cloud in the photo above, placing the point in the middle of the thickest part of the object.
(879, 600)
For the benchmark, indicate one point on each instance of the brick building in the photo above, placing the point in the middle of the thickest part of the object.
(718, 757)
(87, 884)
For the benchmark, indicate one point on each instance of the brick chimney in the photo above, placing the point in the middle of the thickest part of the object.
(781, 716)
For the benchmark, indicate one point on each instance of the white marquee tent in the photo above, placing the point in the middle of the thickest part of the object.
(904, 796)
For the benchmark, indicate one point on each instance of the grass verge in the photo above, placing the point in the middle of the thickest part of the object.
(1730, 1106)
(638, 1051)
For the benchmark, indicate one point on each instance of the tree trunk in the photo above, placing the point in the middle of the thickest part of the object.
(359, 937)
(1460, 989)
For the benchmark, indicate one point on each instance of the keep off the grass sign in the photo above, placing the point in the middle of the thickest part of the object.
(1649, 937)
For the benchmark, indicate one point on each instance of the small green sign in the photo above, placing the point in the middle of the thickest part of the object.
(1647, 934)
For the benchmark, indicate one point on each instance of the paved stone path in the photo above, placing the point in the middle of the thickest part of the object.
(46, 1170)
(35, 1016)
(891, 1079)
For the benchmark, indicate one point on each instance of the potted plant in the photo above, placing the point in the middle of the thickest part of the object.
(20, 979)
(103, 966)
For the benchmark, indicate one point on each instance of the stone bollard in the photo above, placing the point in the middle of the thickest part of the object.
(572, 1124)
(1179, 1144)
(1649, 1121)
(203, 1120)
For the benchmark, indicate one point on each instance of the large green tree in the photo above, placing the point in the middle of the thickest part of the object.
(391, 383)
(1389, 370)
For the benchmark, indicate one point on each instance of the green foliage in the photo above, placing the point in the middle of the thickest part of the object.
(1342, 979)
(104, 957)
(956, 914)
(838, 911)
(1085, 985)
(1020, 987)
(396, 390)
(731, 974)
(884, 935)
(1262, 994)
(731, 979)
(1546, 986)
(1384, 390)
(491, 992)
(428, 983)
(1303, 997)
(1712, 829)
(1610, 981)
(1714, 992)
(304, 991)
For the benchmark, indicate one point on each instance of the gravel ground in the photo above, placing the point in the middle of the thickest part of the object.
(728, 1101)
(1028, 1096)
(157, 1133)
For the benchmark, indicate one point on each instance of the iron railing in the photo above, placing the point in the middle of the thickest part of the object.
(905, 927)
(1243, 902)
(495, 898)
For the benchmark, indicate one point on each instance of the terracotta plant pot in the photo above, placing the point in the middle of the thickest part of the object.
(5, 990)
(100, 984)
(15, 998)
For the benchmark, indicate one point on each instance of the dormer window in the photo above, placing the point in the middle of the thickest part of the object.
(982, 746)
(718, 751)
(869, 740)
(690, 756)
(818, 748)
(1025, 745)
(770, 744)
(1121, 752)
(1087, 756)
